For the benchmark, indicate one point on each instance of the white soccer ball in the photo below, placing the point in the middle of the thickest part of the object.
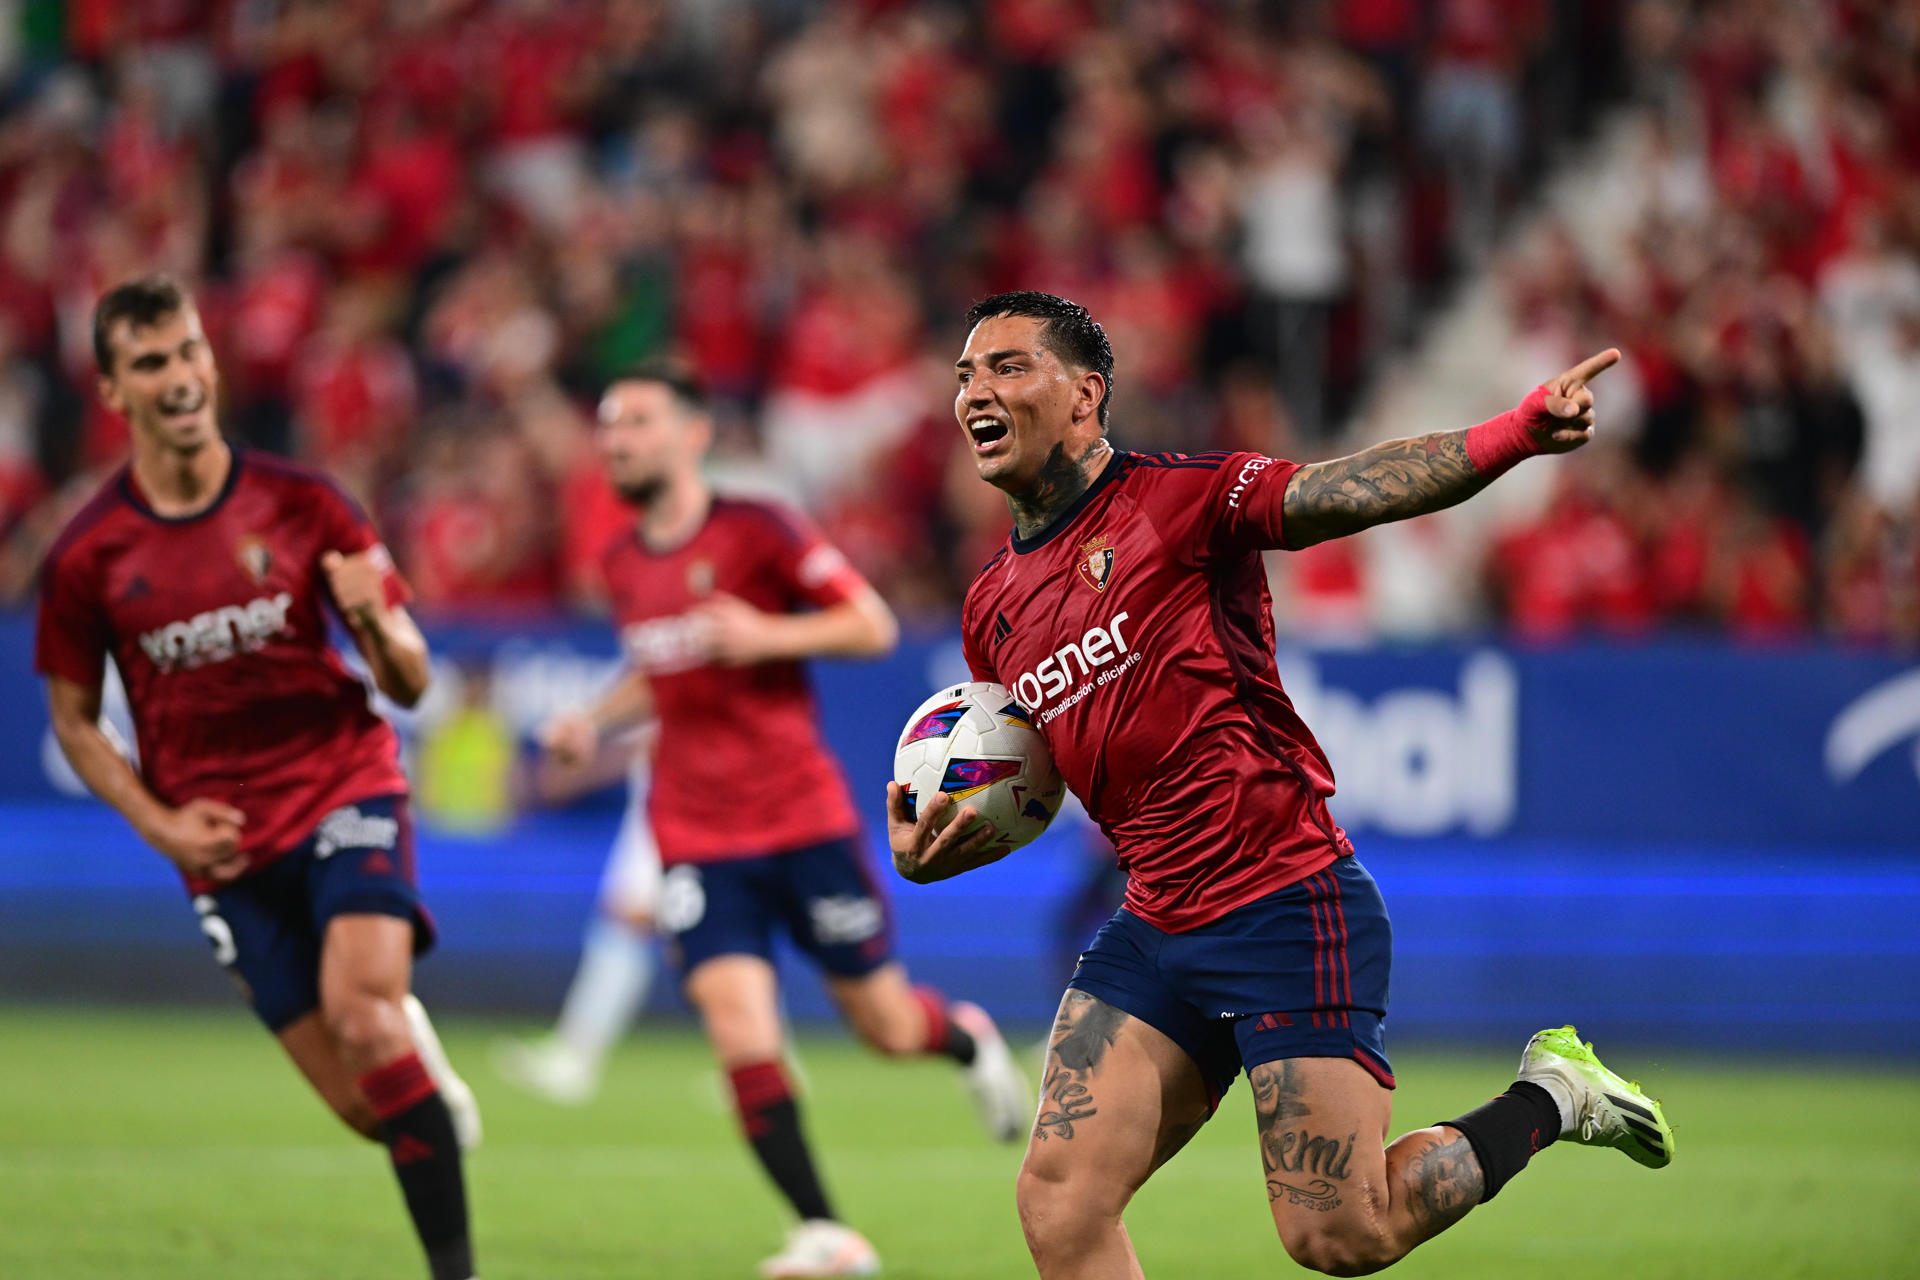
(978, 744)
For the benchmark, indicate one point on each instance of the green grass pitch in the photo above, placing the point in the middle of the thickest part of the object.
(178, 1144)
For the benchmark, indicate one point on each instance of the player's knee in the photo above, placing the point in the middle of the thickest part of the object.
(1342, 1246)
(1060, 1208)
(369, 1030)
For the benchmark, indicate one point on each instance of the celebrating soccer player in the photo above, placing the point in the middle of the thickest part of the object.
(1251, 936)
(719, 603)
(206, 573)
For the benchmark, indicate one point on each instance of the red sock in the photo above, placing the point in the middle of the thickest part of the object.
(772, 1124)
(418, 1130)
(944, 1037)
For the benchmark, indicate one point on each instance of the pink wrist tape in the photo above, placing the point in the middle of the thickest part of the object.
(1496, 444)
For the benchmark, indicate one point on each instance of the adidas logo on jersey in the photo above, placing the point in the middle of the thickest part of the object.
(1098, 651)
(217, 634)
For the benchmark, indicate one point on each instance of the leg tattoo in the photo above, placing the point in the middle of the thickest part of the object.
(1443, 1181)
(1082, 1034)
(1309, 1170)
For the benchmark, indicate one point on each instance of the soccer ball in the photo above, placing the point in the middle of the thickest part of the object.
(978, 744)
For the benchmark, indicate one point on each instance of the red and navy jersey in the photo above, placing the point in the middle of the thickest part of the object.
(740, 769)
(1138, 632)
(218, 624)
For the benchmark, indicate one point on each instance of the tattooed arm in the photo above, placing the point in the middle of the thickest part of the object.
(1404, 478)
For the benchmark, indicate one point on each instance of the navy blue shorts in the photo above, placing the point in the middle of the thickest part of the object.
(267, 927)
(1300, 973)
(821, 895)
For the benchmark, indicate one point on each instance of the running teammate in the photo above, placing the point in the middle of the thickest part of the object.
(1129, 612)
(206, 573)
(720, 602)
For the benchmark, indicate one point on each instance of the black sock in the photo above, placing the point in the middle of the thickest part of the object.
(418, 1130)
(1506, 1132)
(959, 1045)
(772, 1122)
(944, 1035)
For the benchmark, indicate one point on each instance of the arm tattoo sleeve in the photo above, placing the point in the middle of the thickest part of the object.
(1390, 481)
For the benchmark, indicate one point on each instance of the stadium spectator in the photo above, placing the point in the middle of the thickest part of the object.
(416, 221)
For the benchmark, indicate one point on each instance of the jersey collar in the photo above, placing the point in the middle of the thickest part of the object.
(1121, 463)
(138, 501)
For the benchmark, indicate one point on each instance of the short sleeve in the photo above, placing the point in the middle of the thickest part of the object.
(1248, 503)
(1218, 504)
(812, 569)
(350, 532)
(72, 637)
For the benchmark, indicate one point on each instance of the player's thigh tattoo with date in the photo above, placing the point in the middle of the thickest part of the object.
(1083, 1031)
(1308, 1164)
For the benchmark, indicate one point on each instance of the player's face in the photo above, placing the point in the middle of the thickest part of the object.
(647, 439)
(164, 381)
(1017, 401)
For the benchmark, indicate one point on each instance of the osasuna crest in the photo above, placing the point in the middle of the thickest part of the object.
(700, 577)
(254, 557)
(1096, 562)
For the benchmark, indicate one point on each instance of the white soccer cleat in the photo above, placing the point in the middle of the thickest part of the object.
(1000, 1090)
(547, 1068)
(1607, 1110)
(459, 1098)
(822, 1247)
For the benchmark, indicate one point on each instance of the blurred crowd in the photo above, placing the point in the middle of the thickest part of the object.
(1758, 267)
(426, 232)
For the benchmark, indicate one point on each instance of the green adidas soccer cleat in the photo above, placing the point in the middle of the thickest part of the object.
(1607, 1111)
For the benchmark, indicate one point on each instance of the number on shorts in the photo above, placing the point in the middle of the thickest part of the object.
(683, 900)
(218, 931)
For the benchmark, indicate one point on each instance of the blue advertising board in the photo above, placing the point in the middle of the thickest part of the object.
(1685, 840)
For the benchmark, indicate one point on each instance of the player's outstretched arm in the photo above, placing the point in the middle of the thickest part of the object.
(201, 837)
(1404, 478)
(924, 852)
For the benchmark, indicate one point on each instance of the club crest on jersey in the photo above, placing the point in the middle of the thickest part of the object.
(700, 577)
(254, 557)
(1096, 562)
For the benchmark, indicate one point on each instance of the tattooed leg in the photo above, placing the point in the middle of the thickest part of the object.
(1118, 1099)
(1344, 1203)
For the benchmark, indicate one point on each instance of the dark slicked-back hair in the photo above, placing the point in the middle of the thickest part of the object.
(140, 303)
(679, 378)
(1071, 332)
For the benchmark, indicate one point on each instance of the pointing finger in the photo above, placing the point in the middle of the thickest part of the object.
(1590, 368)
(332, 560)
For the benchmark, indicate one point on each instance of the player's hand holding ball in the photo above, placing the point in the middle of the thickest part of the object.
(202, 838)
(358, 584)
(971, 742)
(571, 738)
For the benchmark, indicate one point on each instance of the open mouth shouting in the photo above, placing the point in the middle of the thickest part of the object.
(986, 431)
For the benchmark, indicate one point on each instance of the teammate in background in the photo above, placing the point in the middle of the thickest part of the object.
(616, 964)
(719, 602)
(1130, 614)
(206, 572)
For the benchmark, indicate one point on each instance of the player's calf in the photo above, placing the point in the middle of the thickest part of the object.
(1353, 1244)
